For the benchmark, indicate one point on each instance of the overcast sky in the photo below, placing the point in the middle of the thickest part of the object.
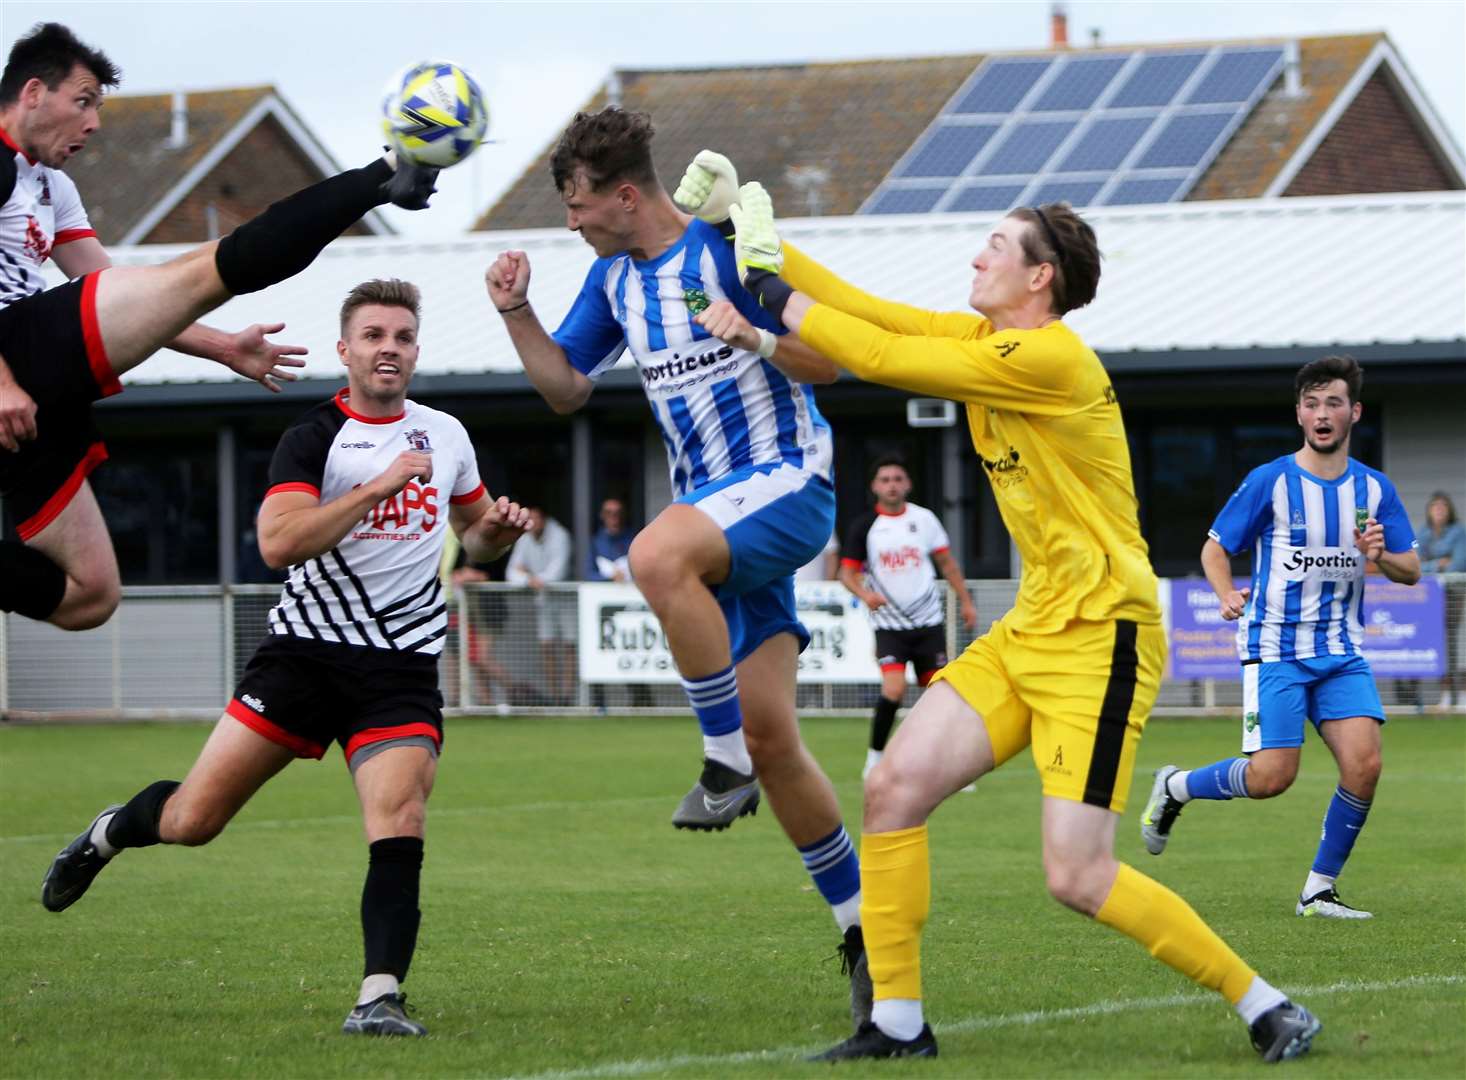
(538, 61)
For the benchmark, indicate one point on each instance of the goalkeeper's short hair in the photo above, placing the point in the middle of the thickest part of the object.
(612, 146)
(1061, 238)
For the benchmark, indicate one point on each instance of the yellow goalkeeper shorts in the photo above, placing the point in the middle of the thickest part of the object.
(1080, 697)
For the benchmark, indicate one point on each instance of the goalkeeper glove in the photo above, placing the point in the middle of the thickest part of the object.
(758, 249)
(708, 189)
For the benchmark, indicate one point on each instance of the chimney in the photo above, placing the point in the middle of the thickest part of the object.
(1058, 27)
(178, 133)
(1292, 71)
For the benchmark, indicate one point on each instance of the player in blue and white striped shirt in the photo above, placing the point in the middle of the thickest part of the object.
(750, 459)
(1312, 518)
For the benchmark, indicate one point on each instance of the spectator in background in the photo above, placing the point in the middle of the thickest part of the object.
(608, 561)
(540, 558)
(486, 613)
(608, 548)
(1443, 551)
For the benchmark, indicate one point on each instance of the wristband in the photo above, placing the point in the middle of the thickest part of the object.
(726, 230)
(516, 307)
(770, 290)
(767, 343)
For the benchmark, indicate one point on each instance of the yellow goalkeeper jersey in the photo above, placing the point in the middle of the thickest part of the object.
(1045, 422)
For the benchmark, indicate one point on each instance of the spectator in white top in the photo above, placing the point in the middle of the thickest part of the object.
(540, 558)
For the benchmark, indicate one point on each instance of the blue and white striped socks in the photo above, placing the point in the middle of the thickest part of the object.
(835, 867)
(714, 699)
(1225, 779)
(1342, 824)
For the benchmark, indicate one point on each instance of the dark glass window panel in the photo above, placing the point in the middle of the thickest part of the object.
(950, 150)
(992, 197)
(1079, 84)
(906, 200)
(1185, 141)
(1001, 86)
(1155, 80)
(1235, 76)
(1105, 144)
(1027, 148)
(1134, 192)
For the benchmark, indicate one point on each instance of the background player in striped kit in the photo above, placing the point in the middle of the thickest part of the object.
(888, 563)
(1073, 669)
(63, 348)
(363, 491)
(750, 458)
(1312, 518)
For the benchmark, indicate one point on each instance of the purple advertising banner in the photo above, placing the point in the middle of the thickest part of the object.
(1404, 630)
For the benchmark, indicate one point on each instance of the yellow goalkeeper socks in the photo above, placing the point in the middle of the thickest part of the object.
(1153, 915)
(896, 895)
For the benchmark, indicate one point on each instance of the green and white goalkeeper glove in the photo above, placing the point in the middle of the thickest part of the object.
(708, 188)
(758, 249)
(758, 246)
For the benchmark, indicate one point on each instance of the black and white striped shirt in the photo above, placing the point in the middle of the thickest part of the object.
(379, 586)
(40, 212)
(895, 552)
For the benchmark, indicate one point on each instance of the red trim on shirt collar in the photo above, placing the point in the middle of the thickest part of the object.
(341, 398)
(8, 141)
(887, 513)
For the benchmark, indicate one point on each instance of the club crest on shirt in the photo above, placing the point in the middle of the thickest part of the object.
(417, 438)
(45, 191)
(697, 300)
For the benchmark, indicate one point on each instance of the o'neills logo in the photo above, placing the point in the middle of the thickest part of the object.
(684, 365)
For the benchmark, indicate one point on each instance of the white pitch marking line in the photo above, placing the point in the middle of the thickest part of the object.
(641, 1066)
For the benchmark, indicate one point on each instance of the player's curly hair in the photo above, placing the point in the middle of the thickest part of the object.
(1323, 371)
(612, 146)
(49, 52)
(1058, 236)
(389, 292)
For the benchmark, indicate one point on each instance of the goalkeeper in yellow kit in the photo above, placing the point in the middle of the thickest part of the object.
(1073, 669)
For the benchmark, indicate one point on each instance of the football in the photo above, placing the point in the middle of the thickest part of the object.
(434, 114)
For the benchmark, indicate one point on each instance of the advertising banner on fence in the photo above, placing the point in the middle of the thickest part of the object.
(1404, 630)
(621, 640)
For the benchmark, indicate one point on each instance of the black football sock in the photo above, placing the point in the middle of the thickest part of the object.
(286, 238)
(136, 824)
(389, 912)
(30, 583)
(882, 722)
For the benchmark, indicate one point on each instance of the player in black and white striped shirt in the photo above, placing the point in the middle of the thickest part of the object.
(887, 563)
(364, 489)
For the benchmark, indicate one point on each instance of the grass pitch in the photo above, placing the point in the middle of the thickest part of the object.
(569, 931)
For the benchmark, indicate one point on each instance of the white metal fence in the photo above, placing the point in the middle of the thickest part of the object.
(178, 651)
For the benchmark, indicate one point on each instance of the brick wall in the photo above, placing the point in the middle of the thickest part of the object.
(1375, 146)
(265, 166)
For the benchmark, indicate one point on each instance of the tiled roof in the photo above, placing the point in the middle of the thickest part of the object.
(856, 119)
(129, 168)
(1242, 274)
(128, 165)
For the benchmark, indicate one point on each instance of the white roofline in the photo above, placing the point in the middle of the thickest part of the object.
(269, 105)
(1382, 55)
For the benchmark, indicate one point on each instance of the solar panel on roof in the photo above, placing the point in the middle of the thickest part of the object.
(1074, 192)
(908, 200)
(1155, 80)
(1105, 145)
(1130, 192)
(988, 197)
(1235, 76)
(1002, 85)
(949, 150)
(1093, 127)
(1027, 147)
(1184, 140)
(1079, 83)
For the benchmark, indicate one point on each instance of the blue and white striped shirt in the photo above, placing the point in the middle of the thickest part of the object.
(719, 408)
(1307, 575)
